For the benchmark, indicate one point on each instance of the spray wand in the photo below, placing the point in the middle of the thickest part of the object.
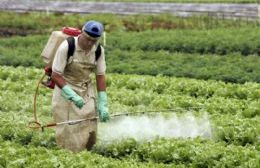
(73, 122)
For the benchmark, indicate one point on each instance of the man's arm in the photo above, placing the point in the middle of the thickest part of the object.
(101, 82)
(58, 79)
(67, 92)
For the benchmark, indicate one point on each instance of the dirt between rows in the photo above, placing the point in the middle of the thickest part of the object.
(9, 32)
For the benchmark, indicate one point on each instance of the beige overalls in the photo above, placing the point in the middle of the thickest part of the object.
(76, 72)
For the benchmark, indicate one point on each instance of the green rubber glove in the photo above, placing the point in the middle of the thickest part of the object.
(102, 106)
(69, 94)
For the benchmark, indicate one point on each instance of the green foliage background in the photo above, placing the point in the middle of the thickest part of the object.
(154, 62)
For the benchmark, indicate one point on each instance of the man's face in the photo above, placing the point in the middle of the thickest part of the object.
(90, 40)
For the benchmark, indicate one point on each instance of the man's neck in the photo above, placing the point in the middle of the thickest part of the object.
(83, 43)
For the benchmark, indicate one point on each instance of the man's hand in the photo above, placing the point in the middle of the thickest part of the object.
(102, 106)
(69, 94)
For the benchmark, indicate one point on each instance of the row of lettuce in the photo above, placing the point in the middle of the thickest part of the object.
(188, 153)
(218, 41)
(16, 156)
(158, 153)
(233, 109)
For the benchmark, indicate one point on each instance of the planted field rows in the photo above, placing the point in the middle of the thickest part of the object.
(217, 54)
(233, 111)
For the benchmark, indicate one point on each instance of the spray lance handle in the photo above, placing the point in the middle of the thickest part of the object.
(49, 82)
(47, 70)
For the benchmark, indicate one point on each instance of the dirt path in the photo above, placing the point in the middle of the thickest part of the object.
(244, 11)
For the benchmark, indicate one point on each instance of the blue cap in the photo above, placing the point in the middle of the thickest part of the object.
(93, 28)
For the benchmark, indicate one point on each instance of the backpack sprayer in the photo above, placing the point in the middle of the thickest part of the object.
(48, 53)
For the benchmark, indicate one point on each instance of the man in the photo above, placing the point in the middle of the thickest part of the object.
(74, 96)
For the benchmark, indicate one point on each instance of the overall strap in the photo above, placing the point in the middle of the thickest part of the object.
(98, 52)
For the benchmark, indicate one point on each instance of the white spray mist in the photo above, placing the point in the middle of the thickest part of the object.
(148, 127)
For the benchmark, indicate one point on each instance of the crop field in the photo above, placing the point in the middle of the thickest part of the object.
(205, 70)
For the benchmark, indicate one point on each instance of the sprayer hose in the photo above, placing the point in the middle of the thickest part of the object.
(35, 123)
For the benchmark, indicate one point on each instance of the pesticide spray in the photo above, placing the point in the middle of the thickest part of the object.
(146, 128)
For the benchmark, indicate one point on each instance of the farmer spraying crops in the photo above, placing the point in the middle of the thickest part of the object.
(74, 97)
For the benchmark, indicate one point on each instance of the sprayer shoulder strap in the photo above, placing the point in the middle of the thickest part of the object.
(98, 52)
(71, 43)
